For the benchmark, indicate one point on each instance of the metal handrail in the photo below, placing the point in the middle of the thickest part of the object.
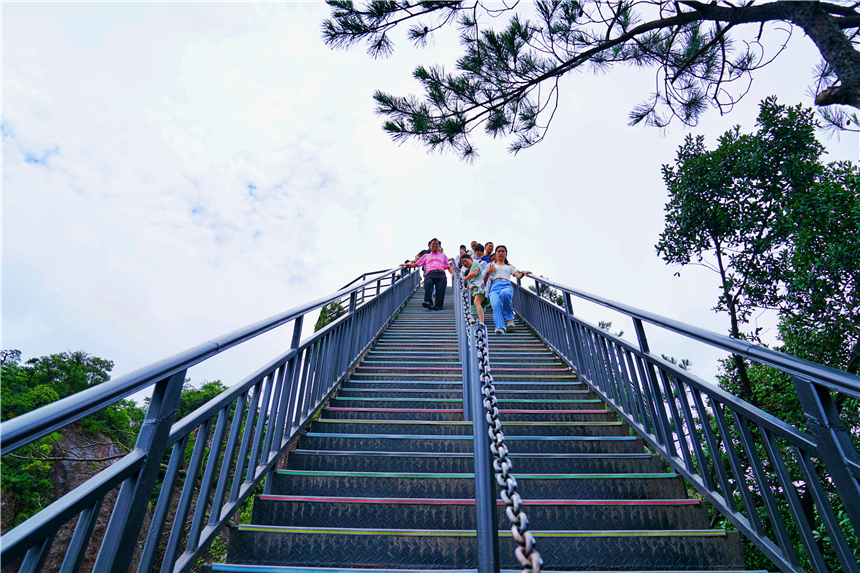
(33, 425)
(236, 438)
(716, 441)
(830, 377)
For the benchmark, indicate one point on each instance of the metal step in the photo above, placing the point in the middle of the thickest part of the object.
(448, 443)
(462, 486)
(428, 462)
(400, 513)
(416, 427)
(682, 549)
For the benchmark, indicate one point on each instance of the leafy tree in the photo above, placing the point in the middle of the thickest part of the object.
(728, 210)
(549, 293)
(329, 313)
(782, 230)
(508, 80)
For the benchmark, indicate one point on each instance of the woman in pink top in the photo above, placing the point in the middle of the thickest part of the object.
(435, 264)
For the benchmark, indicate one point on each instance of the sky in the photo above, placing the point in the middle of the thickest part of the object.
(173, 171)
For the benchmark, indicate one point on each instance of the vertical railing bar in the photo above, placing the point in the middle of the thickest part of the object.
(793, 500)
(716, 456)
(774, 515)
(274, 414)
(648, 399)
(206, 484)
(242, 457)
(620, 381)
(77, 549)
(637, 392)
(35, 557)
(129, 509)
(737, 468)
(171, 552)
(704, 468)
(229, 451)
(262, 418)
(822, 503)
(673, 410)
(307, 385)
(165, 497)
(283, 410)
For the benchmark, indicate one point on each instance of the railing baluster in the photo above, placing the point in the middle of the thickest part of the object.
(206, 483)
(159, 516)
(227, 463)
(822, 504)
(242, 457)
(254, 460)
(704, 469)
(737, 469)
(774, 516)
(35, 558)
(81, 538)
(716, 457)
(794, 506)
(171, 552)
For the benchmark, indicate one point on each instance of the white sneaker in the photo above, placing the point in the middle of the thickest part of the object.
(499, 331)
(510, 324)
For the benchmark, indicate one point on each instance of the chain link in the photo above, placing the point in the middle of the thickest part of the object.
(526, 551)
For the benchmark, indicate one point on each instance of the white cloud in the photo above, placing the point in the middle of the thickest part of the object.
(195, 167)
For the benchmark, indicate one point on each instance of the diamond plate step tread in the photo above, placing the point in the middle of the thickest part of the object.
(433, 443)
(449, 486)
(446, 548)
(425, 462)
(459, 428)
(422, 513)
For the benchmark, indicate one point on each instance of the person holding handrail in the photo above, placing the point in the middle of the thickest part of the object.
(500, 290)
(474, 283)
(435, 264)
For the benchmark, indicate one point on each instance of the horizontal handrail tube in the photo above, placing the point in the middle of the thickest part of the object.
(772, 423)
(19, 431)
(17, 541)
(830, 377)
(365, 275)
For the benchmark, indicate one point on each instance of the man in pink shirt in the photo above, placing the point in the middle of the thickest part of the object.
(435, 264)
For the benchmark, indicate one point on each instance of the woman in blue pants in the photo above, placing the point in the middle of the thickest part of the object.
(500, 290)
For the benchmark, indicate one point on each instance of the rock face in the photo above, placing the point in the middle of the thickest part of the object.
(84, 455)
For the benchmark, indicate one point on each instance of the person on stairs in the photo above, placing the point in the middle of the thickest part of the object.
(474, 284)
(488, 252)
(435, 263)
(500, 290)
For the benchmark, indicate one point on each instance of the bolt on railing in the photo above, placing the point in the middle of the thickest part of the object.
(775, 483)
(236, 439)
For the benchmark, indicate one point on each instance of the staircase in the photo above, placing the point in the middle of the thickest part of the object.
(383, 478)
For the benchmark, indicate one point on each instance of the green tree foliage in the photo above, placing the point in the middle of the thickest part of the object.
(329, 313)
(26, 473)
(782, 231)
(549, 293)
(507, 81)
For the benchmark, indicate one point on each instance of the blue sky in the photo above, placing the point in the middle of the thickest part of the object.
(174, 171)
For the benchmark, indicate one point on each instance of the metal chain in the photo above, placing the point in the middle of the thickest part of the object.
(526, 551)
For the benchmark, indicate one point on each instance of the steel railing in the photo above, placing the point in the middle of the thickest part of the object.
(753, 467)
(235, 440)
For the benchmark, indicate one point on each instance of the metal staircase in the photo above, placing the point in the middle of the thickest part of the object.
(384, 477)
(385, 469)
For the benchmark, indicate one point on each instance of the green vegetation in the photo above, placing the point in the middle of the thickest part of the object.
(508, 81)
(329, 313)
(781, 230)
(26, 473)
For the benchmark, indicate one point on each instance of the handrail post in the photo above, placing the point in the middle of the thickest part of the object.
(834, 442)
(485, 485)
(126, 520)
